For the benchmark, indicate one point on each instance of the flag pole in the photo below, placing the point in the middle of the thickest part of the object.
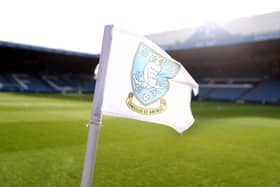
(96, 114)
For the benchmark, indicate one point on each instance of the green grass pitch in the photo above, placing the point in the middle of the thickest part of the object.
(43, 140)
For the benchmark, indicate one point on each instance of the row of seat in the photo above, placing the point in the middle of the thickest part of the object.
(264, 92)
(46, 83)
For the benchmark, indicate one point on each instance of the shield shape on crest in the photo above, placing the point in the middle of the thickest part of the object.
(150, 74)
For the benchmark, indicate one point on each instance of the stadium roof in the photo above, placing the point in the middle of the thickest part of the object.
(245, 30)
(45, 49)
(250, 29)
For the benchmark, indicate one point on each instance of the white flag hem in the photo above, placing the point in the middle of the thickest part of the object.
(193, 83)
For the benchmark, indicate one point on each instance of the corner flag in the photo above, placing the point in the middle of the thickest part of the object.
(137, 79)
(143, 82)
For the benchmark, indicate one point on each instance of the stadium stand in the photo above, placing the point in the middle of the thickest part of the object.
(30, 83)
(60, 84)
(6, 84)
(265, 92)
(71, 83)
(245, 30)
(237, 61)
(88, 84)
(27, 68)
(223, 92)
(203, 91)
(226, 94)
(239, 52)
(46, 83)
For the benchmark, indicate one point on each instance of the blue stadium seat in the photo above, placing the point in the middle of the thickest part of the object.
(223, 92)
(8, 84)
(203, 91)
(47, 83)
(59, 84)
(266, 92)
(226, 94)
(88, 84)
(30, 83)
(80, 83)
(71, 83)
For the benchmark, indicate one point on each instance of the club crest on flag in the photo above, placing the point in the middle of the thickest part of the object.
(149, 80)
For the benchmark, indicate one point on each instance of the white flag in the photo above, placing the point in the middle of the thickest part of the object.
(143, 82)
